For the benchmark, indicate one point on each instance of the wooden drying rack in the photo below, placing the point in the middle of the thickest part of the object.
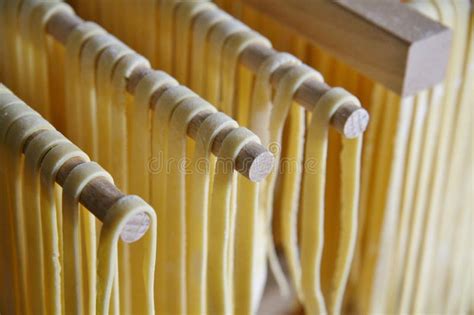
(350, 120)
(254, 161)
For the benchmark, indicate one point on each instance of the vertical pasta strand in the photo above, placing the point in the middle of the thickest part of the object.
(37, 228)
(197, 213)
(221, 217)
(56, 245)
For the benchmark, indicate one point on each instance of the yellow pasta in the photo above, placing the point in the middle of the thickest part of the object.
(197, 215)
(185, 14)
(19, 123)
(203, 23)
(40, 15)
(105, 66)
(116, 218)
(55, 263)
(74, 43)
(87, 112)
(343, 228)
(46, 276)
(121, 103)
(52, 162)
(176, 184)
(221, 219)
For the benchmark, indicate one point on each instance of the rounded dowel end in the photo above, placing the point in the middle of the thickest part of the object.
(135, 228)
(351, 120)
(255, 162)
(262, 166)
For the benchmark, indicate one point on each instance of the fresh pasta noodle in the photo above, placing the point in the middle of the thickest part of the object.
(176, 204)
(246, 289)
(8, 34)
(140, 129)
(79, 177)
(104, 90)
(203, 23)
(165, 44)
(19, 122)
(34, 155)
(174, 296)
(350, 160)
(52, 162)
(10, 260)
(9, 295)
(87, 112)
(36, 150)
(463, 132)
(383, 228)
(119, 164)
(217, 42)
(410, 136)
(231, 51)
(88, 141)
(221, 219)
(260, 113)
(42, 12)
(73, 46)
(116, 122)
(455, 15)
(27, 68)
(105, 66)
(262, 96)
(56, 239)
(197, 216)
(186, 12)
(249, 254)
(121, 103)
(217, 38)
(116, 218)
(282, 106)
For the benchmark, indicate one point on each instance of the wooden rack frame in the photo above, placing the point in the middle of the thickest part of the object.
(385, 40)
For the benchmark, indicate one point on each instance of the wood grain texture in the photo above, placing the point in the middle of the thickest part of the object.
(385, 40)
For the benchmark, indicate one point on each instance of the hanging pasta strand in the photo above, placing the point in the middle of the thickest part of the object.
(384, 228)
(218, 41)
(123, 210)
(176, 180)
(197, 218)
(56, 241)
(34, 154)
(416, 140)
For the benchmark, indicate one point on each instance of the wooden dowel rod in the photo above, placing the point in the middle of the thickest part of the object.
(98, 196)
(350, 120)
(254, 160)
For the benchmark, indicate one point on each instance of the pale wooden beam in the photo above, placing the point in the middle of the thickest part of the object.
(384, 39)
